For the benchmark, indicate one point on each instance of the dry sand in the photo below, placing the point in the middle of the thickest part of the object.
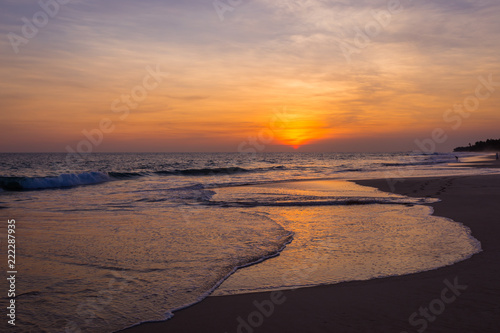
(386, 304)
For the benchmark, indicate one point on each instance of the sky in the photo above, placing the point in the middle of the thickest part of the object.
(242, 75)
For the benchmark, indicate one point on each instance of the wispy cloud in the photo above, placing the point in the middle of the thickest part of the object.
(265, 55)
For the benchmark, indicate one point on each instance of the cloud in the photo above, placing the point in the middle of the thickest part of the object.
(264, 55)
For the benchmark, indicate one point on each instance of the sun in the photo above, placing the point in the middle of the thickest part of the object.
(296, 133)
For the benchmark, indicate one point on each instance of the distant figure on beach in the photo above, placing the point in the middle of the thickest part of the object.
(457, 158)
(497, 156)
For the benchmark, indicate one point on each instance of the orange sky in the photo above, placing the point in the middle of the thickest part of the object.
(227, 80)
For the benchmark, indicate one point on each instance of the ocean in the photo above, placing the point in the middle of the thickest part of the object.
(108, 241)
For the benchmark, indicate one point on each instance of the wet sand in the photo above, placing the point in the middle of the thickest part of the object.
(464, 297)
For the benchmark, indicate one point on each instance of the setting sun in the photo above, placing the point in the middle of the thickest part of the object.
(296, 133)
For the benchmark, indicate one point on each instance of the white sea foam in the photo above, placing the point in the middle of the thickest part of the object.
(64, 180)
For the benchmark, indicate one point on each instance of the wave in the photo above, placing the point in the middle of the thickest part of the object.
(328, 202)
(415, 163)
(204, 171)
(216, 171)
(95, 177)
(431, 159)
(193, 172)
(61, 181)
(126, 175)
(285, 239)
(349, 170)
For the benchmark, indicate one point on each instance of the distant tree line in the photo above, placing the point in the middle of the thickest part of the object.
(488, 145)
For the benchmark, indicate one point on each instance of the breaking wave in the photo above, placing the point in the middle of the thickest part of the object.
(61, 181)
(96, 177)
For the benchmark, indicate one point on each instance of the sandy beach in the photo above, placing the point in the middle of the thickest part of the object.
(463, 297)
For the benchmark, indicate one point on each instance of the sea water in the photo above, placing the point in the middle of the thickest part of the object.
(113, 240)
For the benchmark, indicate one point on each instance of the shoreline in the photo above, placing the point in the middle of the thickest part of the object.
(382, 304)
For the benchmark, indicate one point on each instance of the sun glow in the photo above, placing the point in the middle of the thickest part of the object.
(296, 133)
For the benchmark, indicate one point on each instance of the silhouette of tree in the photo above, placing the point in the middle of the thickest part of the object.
(488, 145)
